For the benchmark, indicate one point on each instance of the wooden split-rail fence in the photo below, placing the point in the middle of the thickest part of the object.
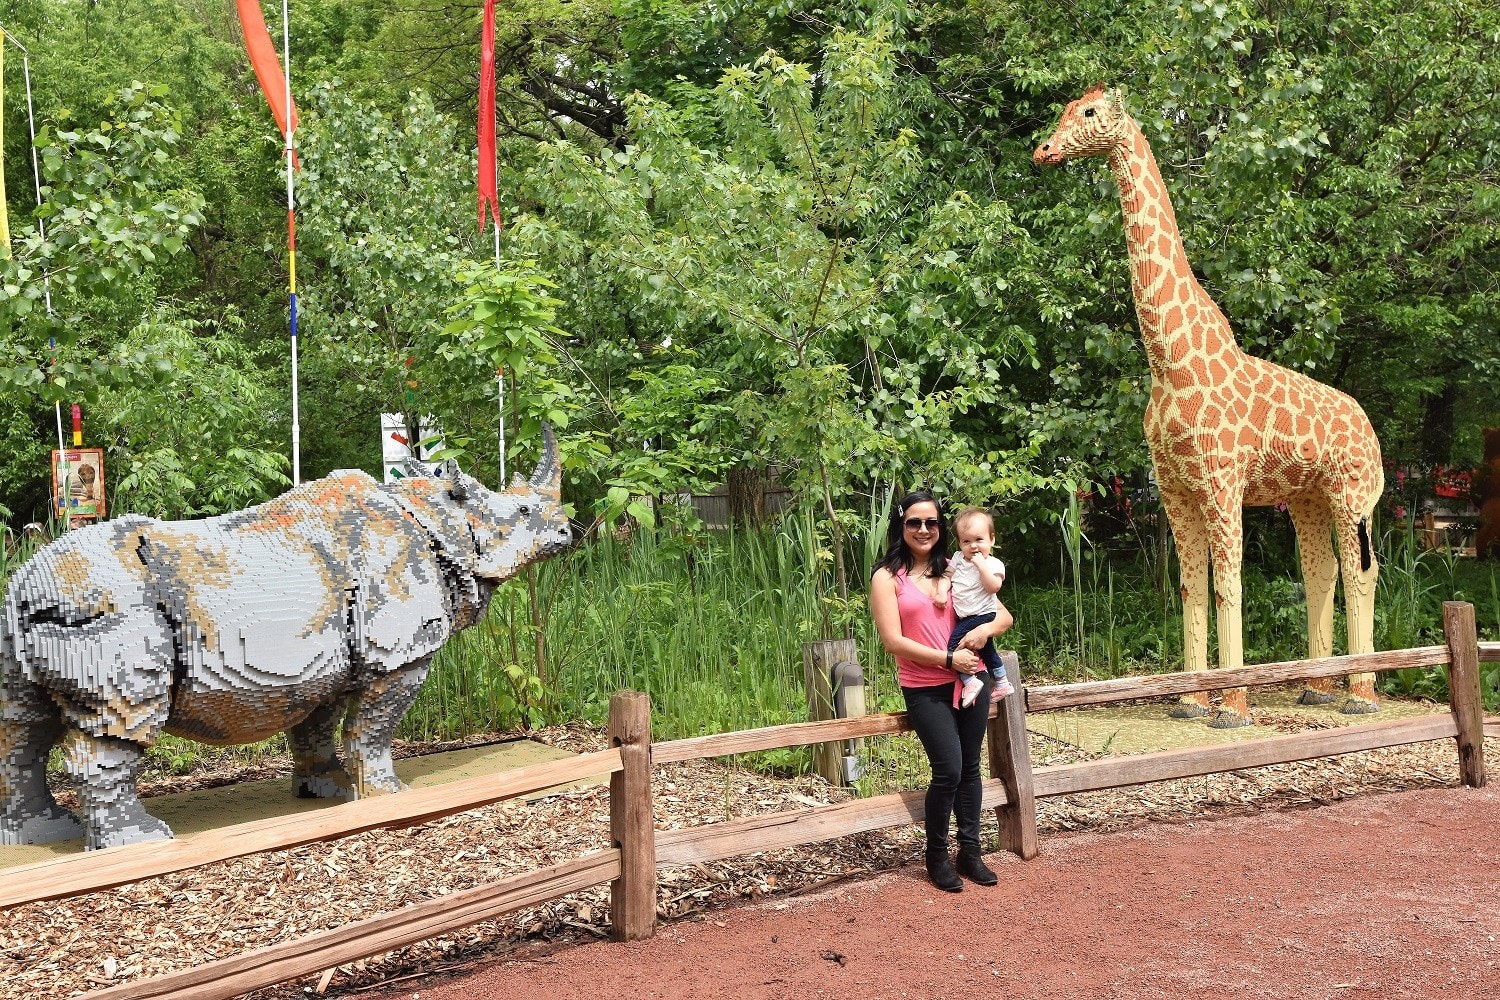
(630, 862)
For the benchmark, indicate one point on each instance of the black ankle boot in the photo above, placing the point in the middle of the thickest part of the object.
(971, 865)
(940, 870)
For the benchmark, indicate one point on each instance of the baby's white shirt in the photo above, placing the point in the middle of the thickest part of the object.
(968, 594)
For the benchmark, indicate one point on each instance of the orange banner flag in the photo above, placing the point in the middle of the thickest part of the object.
(487, 185)
(263, 59)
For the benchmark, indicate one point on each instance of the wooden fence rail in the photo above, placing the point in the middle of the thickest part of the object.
(630, 862)
(1046, 699)
(230, 977)
(1489, 652)
(73, 875)
(1117, 772)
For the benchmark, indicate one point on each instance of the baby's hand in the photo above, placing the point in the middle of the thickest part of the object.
(940, 599)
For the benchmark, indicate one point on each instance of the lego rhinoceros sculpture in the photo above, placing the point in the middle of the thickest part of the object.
(324, 604)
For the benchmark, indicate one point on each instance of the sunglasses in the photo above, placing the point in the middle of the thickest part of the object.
(918, 523)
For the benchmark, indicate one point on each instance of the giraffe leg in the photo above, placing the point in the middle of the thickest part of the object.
(1225, 544)
(1313, 520)
(1186, 520)
(1357, 559)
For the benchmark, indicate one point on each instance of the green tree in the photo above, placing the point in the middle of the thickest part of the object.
(1335, 181)
(109, 216)
(213, 449)
(387, 225)
(771, 223)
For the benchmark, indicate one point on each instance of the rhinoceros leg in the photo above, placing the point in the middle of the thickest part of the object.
(28, 812)
(316, 771)
(30, 722)
(371, 725)
(105, 769)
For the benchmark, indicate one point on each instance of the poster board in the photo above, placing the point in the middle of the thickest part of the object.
(78, 491)
(396, 445)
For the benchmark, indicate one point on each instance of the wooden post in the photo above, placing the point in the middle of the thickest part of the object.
(1463, 690)
(818, 661)
(632, 896)
(1010, 761)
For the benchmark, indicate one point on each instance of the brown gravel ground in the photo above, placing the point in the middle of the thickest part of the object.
(1257, 906)
(60, 949)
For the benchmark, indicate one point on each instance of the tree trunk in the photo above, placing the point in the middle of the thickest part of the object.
(747, 493)
(1436, 437)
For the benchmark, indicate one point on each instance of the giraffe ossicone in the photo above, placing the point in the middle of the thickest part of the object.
(1227, 430)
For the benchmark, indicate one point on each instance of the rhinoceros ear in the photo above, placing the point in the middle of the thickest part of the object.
(548, 475)
(454, 477)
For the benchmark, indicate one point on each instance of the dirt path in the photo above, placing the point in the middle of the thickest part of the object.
(1382, 897)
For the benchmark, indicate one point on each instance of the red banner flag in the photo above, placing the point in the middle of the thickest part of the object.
(263, 59)
(487, 190)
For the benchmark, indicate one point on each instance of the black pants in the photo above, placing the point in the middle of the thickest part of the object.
(952, 738)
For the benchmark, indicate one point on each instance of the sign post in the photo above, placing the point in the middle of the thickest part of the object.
(78, 484)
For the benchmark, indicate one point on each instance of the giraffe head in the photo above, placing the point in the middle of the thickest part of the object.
(1091, 126)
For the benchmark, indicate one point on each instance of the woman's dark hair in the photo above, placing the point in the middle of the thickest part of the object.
(897, 555)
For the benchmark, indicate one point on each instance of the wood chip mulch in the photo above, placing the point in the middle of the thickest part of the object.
(64, 948)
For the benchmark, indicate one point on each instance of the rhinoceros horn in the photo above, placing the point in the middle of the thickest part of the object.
(547, 478)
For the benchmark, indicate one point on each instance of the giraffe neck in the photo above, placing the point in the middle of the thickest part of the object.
(1161, 278)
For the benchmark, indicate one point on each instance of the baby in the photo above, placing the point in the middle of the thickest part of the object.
(973, 578)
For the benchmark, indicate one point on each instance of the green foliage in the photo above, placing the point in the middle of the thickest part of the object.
(384, 204)
(213, 449)
(710, 624)
(504, 319)
(502, 323)
(792, 257)
(108, 214)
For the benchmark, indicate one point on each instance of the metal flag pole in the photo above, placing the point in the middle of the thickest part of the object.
(291, 242)
(499, 372)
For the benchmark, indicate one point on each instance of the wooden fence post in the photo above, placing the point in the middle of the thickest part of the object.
(1010, 761)
(1463, 689)
(632, 896)
(818, 661)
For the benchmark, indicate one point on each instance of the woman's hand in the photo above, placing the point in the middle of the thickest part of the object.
(965, 660)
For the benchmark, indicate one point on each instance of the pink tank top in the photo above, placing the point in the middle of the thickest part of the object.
(923, 622)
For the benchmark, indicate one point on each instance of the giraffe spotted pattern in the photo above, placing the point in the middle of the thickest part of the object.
(1226, 429)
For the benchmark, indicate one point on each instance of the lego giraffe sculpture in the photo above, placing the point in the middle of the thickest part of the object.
(1226, 430)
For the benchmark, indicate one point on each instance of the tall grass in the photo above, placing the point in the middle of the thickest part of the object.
(710, 624)
(1103, 619)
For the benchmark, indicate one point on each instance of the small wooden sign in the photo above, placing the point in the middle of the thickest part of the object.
(78, 483)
